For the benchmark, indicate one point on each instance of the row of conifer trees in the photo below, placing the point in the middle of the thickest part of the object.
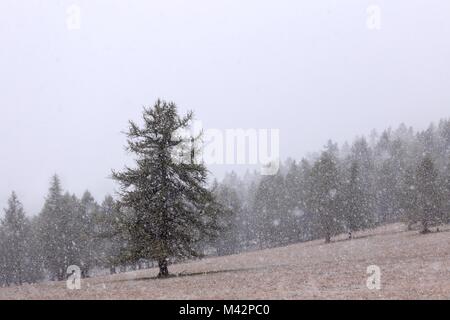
(397, 176)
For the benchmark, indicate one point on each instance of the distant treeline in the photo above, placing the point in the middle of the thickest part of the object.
(397, 176)
(68, 231)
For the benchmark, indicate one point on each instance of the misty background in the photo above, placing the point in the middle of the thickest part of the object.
(313, 70)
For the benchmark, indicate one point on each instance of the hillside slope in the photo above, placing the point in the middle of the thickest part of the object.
(413, 266)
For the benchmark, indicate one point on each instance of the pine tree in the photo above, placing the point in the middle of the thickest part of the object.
(112, 241)
(15, 242)
(389, 173)
(362, 154)
(35, 263)
(228, 240)
(87, 240)
(295, 184)
(171, 208)
(325, 195)
(355, 212)
(250, 217)
(358, 190)
(268, 206)
(408, 198)
(57, 234)
(428, 197)
(308, 220)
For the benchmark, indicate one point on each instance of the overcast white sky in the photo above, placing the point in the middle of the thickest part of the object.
(309, 68)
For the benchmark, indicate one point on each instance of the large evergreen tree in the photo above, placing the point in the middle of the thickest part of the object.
(171, 208)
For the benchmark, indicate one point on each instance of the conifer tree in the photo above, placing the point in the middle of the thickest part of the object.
(112, 241)
(355, 208)
(295, 184)
(35, 265)
(269, 203)
(325, 195)
(428, 197)
(408, 198)
(56, 231)
(15, 238)
(228, 240)
(87, 239)
(171, 210)
(358, 190)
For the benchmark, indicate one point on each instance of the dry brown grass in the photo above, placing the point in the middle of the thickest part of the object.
(413, 266)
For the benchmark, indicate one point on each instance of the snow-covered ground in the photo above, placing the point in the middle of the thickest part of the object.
(413, 266)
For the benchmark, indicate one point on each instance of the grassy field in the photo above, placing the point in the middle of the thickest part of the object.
(413, 266)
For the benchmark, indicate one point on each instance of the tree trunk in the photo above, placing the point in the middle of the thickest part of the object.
(425, 229)
(112, 270)
(327, 238)
(163, 269)
(85, 273)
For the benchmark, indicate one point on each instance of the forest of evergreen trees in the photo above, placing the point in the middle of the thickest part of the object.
(396, 176)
